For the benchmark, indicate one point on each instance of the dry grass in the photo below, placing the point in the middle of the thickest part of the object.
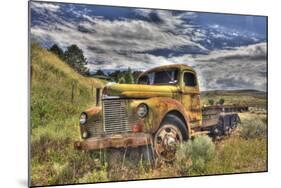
(251, 98)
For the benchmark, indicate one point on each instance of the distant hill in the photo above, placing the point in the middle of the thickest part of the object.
(247, 96)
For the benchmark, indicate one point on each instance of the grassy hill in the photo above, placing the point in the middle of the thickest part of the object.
(58, 95)
(245, 97)
(57, 91)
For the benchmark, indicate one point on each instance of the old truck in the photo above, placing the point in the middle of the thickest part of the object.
(160, 111)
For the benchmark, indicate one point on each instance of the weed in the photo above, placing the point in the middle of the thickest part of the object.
(192, 156)
(253, 127)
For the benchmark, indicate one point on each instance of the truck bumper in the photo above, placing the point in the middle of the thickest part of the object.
(114, 141)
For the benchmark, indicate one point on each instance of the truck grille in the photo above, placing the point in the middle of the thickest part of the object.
(95, 129)
(115, 116)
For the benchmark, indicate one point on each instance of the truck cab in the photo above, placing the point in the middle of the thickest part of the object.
(187, 92)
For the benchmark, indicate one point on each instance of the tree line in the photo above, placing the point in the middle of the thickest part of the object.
(74, 57)
(119, 76)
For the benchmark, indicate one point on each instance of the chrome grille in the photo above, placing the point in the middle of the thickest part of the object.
(95, 129)
(115, 116)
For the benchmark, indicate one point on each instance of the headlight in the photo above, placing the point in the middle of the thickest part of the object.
(85, 135)
(83, 118)
(142, 110)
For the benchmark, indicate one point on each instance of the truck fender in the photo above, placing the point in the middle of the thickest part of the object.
(161, 106)
(93, 112)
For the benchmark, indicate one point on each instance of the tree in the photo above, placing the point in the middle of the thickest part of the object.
(75, 58)
(211, 101)
(221, 101)
(57, 51)
(121, 80)
(114, 75)
(136, 75)
(129, 79)
(100, 73)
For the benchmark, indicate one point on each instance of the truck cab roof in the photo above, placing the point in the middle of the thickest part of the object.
(168, 67)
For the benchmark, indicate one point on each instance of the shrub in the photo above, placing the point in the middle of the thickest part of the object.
(192, 155)
(211, 101)
(221, 101)
(253, 128)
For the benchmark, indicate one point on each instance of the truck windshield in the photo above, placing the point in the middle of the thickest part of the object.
(165, 77)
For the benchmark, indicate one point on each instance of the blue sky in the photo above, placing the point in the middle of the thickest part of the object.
(228, 51)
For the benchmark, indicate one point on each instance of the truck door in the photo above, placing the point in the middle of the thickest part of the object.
(191, 97)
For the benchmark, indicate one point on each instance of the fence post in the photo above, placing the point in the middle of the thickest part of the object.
(98, 95)
(72, 91)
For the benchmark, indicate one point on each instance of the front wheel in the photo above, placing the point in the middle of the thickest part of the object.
(171, 133)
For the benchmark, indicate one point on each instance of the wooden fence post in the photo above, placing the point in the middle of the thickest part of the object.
(72, 91)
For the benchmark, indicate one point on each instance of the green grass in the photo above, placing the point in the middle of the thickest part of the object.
(236, 155)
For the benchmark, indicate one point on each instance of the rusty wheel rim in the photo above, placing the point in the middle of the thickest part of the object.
(166, 140)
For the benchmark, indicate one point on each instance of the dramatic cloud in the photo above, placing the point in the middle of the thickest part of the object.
(95, 33)
(151, 38)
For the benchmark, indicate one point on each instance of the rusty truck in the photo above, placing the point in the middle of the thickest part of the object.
(160, 111)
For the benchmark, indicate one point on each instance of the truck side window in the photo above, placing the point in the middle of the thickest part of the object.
(190, 79)
(144, 80)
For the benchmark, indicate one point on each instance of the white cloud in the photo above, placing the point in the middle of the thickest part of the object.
(239, 68)
(251, 51)
(40, 7)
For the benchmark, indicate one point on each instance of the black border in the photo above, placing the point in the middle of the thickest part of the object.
(117, 6)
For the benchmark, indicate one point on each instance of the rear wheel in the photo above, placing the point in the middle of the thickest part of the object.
(171, 133)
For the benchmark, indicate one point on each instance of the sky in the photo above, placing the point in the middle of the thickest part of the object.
(227, 51)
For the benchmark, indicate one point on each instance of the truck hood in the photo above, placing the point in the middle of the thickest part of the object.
(140, 91)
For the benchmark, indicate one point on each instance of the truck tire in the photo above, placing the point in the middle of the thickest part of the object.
(171, 133)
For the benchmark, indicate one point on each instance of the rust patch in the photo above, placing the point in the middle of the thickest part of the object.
(92, 111)
(114, 141)
(161, 106)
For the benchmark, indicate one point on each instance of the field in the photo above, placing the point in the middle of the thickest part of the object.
(241, 97)
(59, 94)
